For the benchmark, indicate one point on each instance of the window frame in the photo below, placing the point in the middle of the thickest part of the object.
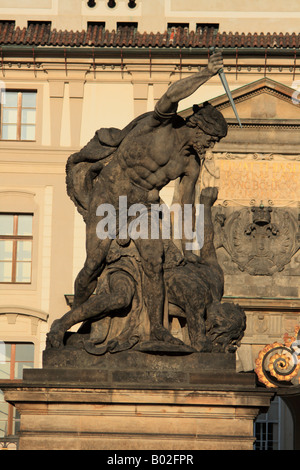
(267, 428)
(15, 238)
(11, 410)
(19, 109)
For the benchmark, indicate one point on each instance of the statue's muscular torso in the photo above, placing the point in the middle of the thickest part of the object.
(149, 157)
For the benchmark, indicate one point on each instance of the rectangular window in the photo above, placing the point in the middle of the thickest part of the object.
(15, 248)
(14, 358)
(99, 24)
(18, 115)
(8, 23)
(130, 25)
(201, 27)
(266, 428)
(46, 24)
(178, 25)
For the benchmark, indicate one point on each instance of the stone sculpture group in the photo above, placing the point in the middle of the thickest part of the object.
(131, 289)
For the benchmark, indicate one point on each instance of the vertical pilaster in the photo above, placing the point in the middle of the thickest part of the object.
(56, 91)
(76, 103)
(140, 97)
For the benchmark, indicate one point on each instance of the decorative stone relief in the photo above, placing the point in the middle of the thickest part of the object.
(260, 240)
(210, 171)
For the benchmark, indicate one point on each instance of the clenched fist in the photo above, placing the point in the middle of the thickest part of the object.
(215, 63)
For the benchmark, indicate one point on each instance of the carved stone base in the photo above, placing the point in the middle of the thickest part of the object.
(136, 368)
(75, 409)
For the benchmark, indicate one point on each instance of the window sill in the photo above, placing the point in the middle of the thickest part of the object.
(21, 141)
(15, 283)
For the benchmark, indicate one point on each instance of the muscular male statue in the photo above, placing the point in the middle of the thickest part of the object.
(154, 149)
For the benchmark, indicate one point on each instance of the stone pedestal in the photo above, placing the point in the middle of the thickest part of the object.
(161, 406)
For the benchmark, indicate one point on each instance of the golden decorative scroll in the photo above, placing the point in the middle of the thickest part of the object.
(278, 364)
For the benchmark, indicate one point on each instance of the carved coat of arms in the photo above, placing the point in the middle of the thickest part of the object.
(260, 240)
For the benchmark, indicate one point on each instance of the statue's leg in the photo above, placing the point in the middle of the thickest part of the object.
(208, 197)
(86, 280)
(196, 327)
(193, 287)
(189, 291)
(151, 253)
(97, 306)
(208, 256)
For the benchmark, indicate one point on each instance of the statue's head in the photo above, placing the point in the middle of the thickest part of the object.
(209, 124)
(209, 120)
(225, 326)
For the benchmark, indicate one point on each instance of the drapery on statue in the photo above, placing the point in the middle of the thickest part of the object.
(129, 277)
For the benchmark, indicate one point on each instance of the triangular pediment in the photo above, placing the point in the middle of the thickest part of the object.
(263, 100)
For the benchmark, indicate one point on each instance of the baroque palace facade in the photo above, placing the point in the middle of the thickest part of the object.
(70, 67)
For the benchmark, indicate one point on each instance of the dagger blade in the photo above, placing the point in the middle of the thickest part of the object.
(228, 93)
(226, 88)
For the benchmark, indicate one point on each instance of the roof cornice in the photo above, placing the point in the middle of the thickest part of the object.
(42, 36)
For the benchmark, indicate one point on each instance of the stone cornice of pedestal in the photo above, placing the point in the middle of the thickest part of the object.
(267, 303)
